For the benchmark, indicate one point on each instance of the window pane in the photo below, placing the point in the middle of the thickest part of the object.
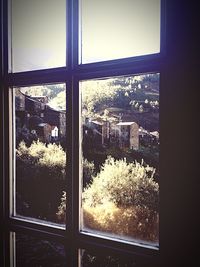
(119, 29)
(98, 258)
(120, 157)
(30, 251)
(40, 141)
(38, 34)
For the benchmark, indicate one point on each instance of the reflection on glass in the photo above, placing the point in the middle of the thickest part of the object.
(32, 252)
(38, 34)
(120, 157)
(40, 139)
(102, 259)
(118, 29)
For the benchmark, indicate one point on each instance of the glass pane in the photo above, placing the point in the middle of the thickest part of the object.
(98, 258)
(30, 251)
(119, 29)
(38, 34)
(120, 157)
(40, 141)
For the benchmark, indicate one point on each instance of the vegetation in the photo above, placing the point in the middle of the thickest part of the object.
(120, 195)
(122, 199)
(96, 153)
(136, 95)
(124, 184)
(55, 93)
(88, 171)
(40, 179)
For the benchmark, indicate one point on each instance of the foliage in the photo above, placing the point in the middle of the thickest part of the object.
(96, 93)
(23, 133)
(55, 93)
(121, 199)
(59, 101)
(39, 154)
(40, 171)
(131, 222)
(124, 184)
(62, 208)
(122, 92)
(88, 171)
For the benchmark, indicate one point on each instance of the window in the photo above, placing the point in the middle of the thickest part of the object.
(81, 91)
(35, 30)
(120, 167)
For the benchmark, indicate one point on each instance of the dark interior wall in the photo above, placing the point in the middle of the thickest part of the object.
(179, 138)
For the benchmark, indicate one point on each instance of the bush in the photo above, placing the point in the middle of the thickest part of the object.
(88, 171)
(61, 214)
(124, 184)
(121, 199)
(133, 222)
(40, 180)
(38, 153)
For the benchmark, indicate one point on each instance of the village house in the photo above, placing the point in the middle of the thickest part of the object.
(56, 118)
(123, 134)
(101, 130)
(34, 113)
(43, 131)
(128, 135)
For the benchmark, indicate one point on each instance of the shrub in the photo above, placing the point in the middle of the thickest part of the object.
(62, 208)
(22, 150)
(124, 184)
(37, 149)
(121, 199)
(39, 154)
(133, 222)
(40, 180)
(88, 171)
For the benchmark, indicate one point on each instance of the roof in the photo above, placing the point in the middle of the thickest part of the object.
(53, 109)
(126, 123)
(53, 127)
(155, 133)
(97, 122)
(38, 96)
(43, 124)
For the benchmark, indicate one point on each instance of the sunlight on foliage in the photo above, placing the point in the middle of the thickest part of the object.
(132, 222)
(37, 149)
(51, 155)
(124, 184)
(41, 176)
(122, 92)
(59, 102)
(122, 200)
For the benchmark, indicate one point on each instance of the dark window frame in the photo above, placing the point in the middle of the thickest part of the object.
(71, 75)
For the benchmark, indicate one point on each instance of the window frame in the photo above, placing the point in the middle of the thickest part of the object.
(71, 75)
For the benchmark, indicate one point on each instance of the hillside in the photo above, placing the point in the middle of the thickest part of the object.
(55, 93)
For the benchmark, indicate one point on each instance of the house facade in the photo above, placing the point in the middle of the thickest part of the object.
(35, 114)
(128, 135)
(122, 134)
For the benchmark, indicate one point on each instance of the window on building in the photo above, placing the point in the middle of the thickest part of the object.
(82, 91)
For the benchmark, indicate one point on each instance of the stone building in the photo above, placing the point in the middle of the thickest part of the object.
(100, 130)
(128, 134)
(43, 131)
(34, 113)
(56, 118)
